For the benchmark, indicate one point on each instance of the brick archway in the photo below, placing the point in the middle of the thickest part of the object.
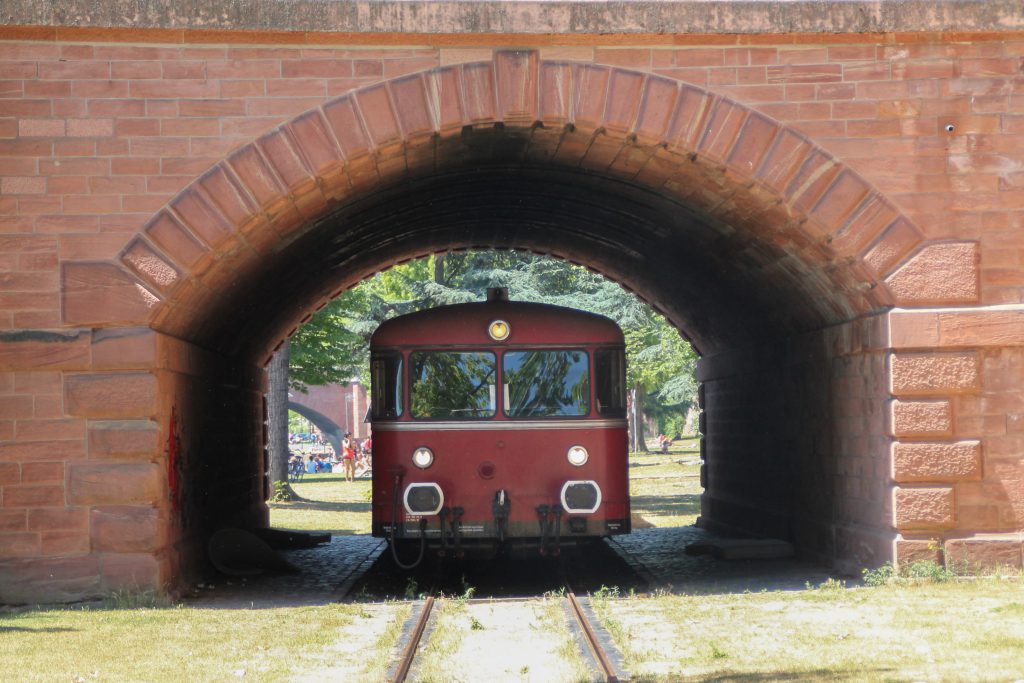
(732, 164)
(873, 411)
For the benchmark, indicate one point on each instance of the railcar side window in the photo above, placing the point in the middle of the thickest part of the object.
(386, 378)
(546, 383)
(610, 377)
(452, 384)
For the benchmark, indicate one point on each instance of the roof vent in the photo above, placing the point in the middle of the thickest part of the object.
(497, 294)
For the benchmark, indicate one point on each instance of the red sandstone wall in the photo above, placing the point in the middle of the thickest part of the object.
(95, 138)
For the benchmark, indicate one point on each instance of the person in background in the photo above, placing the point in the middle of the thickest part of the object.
(348, 457)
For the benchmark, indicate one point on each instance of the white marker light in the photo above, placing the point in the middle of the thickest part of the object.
(423, 457)
(578, 456)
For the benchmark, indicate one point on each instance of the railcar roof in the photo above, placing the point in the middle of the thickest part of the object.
(467, 324)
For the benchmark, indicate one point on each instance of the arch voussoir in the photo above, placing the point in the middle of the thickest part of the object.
(731, 162)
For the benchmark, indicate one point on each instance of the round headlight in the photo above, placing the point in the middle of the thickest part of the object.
(577, 456)
(499, 330)
(423, 457)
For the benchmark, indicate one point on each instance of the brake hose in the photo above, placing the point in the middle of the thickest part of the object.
(394, 523)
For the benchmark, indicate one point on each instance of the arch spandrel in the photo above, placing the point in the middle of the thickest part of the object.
(750, 192)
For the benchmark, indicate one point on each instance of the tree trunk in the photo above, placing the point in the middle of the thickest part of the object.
(439, 269)
(638, 441)
(277, 419)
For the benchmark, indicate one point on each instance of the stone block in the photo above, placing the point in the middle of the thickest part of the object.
(972, 555)
(17, 407)
(309, 132)
(19, 544)
(50, 579)
(55, 543)
(41, 451)
(256, 176)
(924, 508)
(898, 240)
(348, 128)
(840, 201)
(938, 274)
(722, 129)
(589, 94)
(42, 472)
(125, 529)
(123, 347)
(285, 161)
(911, 551)
(50, 430)
(113, 395)
(221, 192)
(934, 373)
(913, 329)
(656, 107)
(375, 105)
(810, 183)
(10, 473)
(920, 418)
(914, 462)
(783, 160)
(981, 328)
(198, 215)
(624, 93)
(110, 484)
(123, 439)
(132, 572)
(34, 496)
(874, 216)
(103, 294)
(65, 518)
(755, 139)
(13, 520)
(450, 56)
(555, 94)
(150, 266)
(37, 349)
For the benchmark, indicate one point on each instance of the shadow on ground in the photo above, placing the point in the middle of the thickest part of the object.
(666, 506)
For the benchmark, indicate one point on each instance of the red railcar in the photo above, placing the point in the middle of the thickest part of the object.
(498, 423)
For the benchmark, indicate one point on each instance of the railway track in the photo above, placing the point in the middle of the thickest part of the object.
(581, 623)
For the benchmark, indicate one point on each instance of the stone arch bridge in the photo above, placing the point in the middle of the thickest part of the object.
(826, 198)
(334, 409)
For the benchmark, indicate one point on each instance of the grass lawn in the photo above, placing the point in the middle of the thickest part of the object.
(82, 645)
(970, 631)
(664, 488)
(330, 504)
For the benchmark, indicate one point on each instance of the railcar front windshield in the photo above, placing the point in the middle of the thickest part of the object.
(446, 385)
(549, 383)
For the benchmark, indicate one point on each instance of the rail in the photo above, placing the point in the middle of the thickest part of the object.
(591, 639)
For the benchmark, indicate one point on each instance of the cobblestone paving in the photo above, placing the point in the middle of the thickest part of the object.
(325, 573)
(658, 555)
(328, 572)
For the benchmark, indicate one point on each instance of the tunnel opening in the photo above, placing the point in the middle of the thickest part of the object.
(777, 261)
(660, 390)
(791, 357)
